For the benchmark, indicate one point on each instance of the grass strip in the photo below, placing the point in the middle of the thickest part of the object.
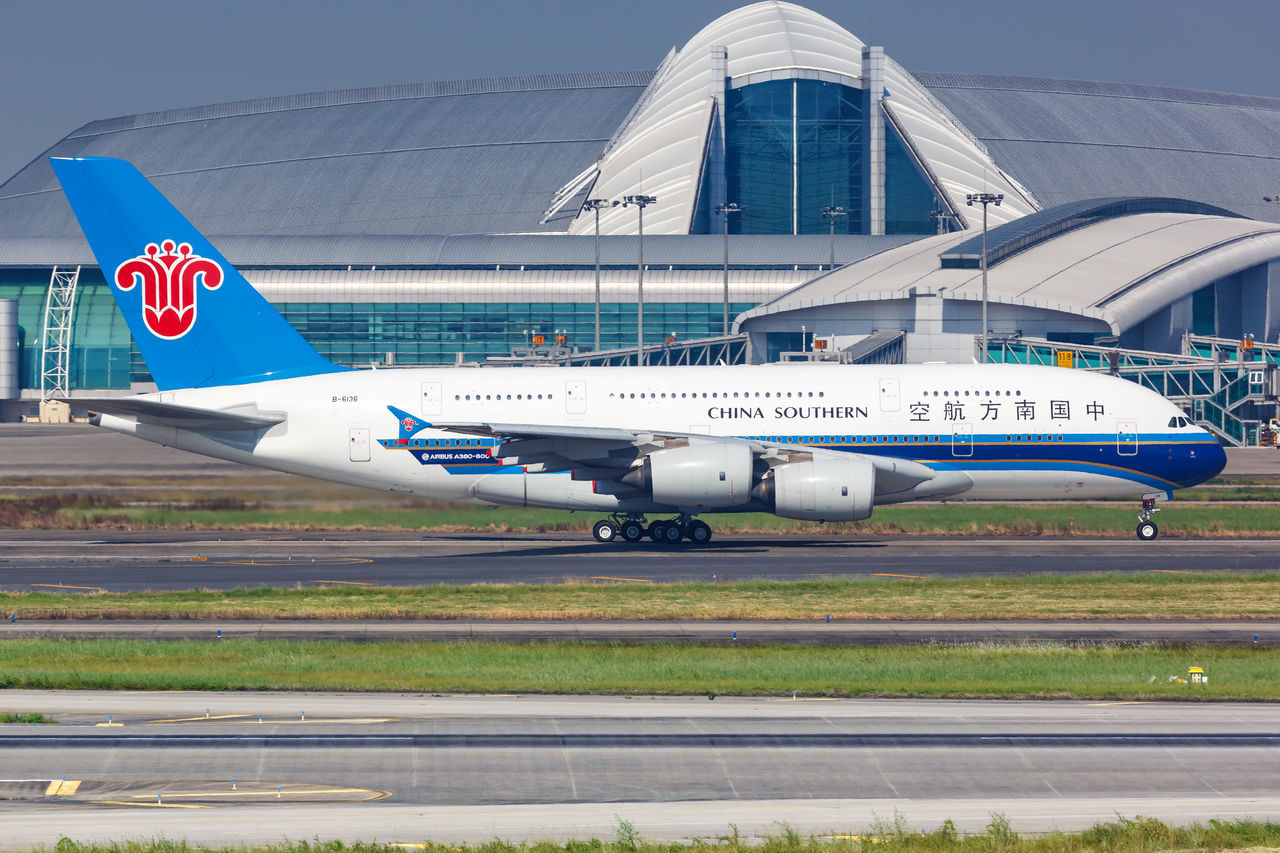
(1067, 519)
(1051, 670)
(1209, 595)
(1123, 835)
(25, 718)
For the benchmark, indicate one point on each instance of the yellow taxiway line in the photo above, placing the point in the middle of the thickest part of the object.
(150, 805)
(62, 788)
(629, 580)
(374, 794)
(253, 718)
(892, 575)
(67, 586)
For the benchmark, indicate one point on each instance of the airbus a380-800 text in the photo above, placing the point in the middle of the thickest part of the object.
(809, 441)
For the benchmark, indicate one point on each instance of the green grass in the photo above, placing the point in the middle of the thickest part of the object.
(896, 835)
(987, 670)
(25, 718)
(1208, 595)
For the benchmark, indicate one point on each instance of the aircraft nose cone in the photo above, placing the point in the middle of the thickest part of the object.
(1206, 463)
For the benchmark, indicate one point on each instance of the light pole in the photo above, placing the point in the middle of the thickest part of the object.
(641, 202)
(595, 204)
(724, 210)
(830, 212)
(984, 199)
(942, 218)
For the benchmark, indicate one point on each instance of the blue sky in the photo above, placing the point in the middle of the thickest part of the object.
(66, 63)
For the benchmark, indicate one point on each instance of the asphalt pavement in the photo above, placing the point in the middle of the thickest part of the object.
(116, 561)
(235, 768)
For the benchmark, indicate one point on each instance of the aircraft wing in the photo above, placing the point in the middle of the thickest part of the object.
(183, 417)
(590, 452)
(593, 452)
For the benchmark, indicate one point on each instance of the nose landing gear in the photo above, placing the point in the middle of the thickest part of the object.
(1147, 529)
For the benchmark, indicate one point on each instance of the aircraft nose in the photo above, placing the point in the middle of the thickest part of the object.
(1206, 462)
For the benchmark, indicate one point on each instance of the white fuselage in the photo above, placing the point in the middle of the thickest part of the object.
(1018, 432)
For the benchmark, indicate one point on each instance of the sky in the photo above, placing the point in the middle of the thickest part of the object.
(66, 63)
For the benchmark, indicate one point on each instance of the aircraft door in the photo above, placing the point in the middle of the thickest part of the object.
(432, 394)
(962, 440)
(575, 397)
(890, 395)
(1127, 438)
(358, 444)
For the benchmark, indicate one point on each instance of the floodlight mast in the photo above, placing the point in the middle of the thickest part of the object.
(724, 210)
(984, 199)
(640, 202)
(830, 212)
(595, 204)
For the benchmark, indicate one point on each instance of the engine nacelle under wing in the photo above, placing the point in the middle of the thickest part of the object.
(703, 475)
(832, 489)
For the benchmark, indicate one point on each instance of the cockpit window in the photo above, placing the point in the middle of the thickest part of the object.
(1176, 421)
(1173, 422)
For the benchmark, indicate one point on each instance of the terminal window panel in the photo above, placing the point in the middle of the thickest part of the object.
(432, 333)
(793, 147)
(104, 354)
(909, 196)
(100, 340)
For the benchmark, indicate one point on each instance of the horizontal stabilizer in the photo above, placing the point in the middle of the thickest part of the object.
(182, 417)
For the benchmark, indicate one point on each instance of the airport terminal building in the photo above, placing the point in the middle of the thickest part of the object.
(437, 222)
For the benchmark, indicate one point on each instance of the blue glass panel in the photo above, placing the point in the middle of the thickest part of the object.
(829, 127)
(792, 148)
(908, 196)
(758, 157)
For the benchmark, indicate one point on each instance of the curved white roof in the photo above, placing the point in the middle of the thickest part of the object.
(1120, 270)
(660, 149)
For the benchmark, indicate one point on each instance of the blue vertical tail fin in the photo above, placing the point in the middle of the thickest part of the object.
(196, 320)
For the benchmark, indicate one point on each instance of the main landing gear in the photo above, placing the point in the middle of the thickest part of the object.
(1147, 529)
(632, 528)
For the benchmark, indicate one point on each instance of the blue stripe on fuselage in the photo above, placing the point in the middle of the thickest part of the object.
(1162, 461)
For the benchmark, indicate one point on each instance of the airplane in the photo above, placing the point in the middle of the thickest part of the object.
(817, 442)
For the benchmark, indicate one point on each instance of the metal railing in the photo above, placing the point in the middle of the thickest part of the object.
(1218, 388)
(727, 349)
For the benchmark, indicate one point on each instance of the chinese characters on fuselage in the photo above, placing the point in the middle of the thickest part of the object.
(993, 410)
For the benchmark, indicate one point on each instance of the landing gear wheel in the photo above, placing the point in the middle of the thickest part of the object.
(658, 531)
(699, 532)
(1147, 530)
(671, 533)
(605, 531)
(632, 530)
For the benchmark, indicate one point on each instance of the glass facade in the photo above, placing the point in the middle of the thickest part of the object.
(793, 147)
(100, 340)
(1204, 311)
(909, 197)
(357, 333)
(433, 332)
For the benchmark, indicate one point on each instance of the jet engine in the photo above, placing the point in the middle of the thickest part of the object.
(833, 489)
(703, 474)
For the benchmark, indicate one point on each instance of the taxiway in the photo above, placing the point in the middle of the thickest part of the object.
(454, 768)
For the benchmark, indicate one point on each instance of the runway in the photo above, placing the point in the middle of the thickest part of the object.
(457, 768)
(118, 561)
